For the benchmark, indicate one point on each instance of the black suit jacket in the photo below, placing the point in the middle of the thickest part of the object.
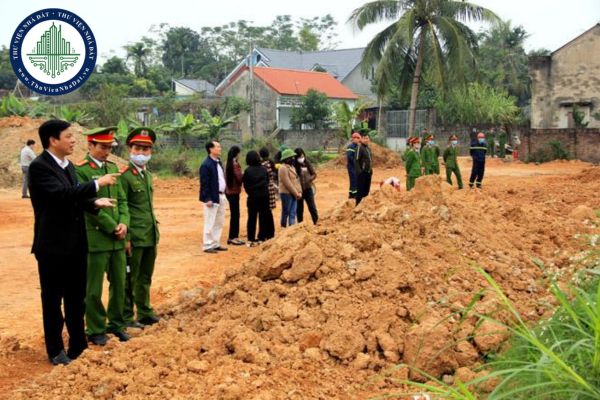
(59, 201)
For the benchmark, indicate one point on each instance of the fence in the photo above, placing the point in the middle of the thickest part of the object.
(396, 123)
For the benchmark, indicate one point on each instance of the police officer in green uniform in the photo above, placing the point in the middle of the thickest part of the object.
(451, 161)
(106, 233)
(143, 233)
(412, 163)
(429, 156)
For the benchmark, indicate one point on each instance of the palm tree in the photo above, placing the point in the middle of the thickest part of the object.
(139, 53)
(423, 30)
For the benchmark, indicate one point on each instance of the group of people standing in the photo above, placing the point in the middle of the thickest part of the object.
(418, 161)
(424, 160)
(289, 178)
(92, 219)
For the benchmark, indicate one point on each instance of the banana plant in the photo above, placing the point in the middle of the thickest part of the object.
(212, 126)
(183, 125)
(12, 106)
(73, 115)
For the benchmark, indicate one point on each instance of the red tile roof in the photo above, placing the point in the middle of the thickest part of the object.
(295, 82)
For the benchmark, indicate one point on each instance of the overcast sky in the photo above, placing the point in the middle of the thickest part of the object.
(550, 23)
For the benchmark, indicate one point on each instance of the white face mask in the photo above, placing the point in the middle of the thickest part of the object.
(301, 160)
(139, 159)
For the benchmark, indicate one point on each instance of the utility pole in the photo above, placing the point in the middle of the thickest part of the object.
(252, 97)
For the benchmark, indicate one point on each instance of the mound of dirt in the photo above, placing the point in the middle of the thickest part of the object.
(14, 133)
(383, 158)
(321, 309)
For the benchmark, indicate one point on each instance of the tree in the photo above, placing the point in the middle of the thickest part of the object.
(431, 30)
(8, 79)
(233, 106)
(478, 104)
(314, 110)
(115, 65)
(502, 60)
(212, 126)
(346, 117)
(138, 53)
(185, 53)
(110, 104)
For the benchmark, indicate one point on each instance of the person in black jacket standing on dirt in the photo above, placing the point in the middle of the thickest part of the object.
(256, 185)
(478, 150)
(59, 240)
(363, 167)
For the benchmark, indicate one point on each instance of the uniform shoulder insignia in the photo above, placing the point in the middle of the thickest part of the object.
(110, 162)
(124, 169)
(81, 163)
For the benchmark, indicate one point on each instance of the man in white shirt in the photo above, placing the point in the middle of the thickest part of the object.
(27, 156)
(212, 194)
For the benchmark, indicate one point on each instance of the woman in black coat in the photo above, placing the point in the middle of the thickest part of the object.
(256, 184)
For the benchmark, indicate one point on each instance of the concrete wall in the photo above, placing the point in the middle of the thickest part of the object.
(317, 139)
(266, 105)
(582, 144)
(570, 75)
(360, 85)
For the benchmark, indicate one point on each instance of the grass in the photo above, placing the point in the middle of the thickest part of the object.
(558, 358)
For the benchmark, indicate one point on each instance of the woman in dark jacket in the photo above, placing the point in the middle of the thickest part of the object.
(233, 188)
(307, 175)
(256, 184)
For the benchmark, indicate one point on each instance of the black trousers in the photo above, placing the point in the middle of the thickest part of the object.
(234, 215)
(63, 279)
(308, 197)
(258, 208)
(363, 181)
(477, 173)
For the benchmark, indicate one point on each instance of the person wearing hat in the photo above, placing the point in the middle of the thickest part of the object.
(451, 161)
(363, 166)
(350, 156)
(143, 235)
(429, 155)
(477, 151)
(412, 162)
(212, 194)
(59, 240)
(106, 234)
(290, 189)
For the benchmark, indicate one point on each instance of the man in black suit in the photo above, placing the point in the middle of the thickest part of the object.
(59, 241)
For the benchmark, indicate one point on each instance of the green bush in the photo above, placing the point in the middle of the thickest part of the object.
(175, 161)
(553, 150)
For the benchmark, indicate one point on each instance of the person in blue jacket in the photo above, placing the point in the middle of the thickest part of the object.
(350, 157)
(478, 150)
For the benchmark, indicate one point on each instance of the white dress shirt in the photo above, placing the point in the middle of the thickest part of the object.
(27, 156)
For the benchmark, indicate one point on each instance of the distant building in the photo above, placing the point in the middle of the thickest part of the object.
(344, 65)
(276, 92)
(190, 87)
(568, 76)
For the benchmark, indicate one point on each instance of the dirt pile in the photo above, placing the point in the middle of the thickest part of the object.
(321, 309)
(14, 133)
(383, 158)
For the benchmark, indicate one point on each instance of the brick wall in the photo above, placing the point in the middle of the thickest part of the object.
(582, 144)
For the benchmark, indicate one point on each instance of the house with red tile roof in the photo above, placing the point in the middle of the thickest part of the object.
(276, 92)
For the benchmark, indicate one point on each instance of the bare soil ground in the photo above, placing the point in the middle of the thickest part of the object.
(282, 329)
